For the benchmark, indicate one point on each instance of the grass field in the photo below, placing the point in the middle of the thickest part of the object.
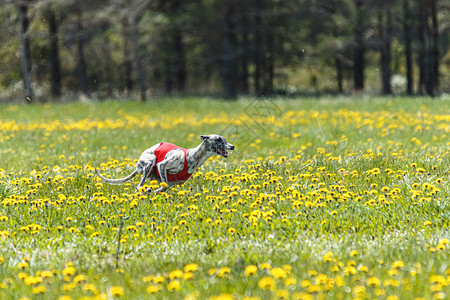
(322, 199)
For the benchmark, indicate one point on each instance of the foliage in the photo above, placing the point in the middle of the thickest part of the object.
(276, 46)
(333, 198)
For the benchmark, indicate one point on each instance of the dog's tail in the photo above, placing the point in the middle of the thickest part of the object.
(116, 181)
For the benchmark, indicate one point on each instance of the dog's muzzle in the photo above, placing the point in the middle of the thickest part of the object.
(225, 150)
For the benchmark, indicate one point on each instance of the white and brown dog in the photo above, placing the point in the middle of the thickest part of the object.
(174, 165)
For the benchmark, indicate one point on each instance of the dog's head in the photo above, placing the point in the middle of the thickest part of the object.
(217, 144)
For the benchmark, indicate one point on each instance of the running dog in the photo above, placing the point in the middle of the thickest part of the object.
(174, 165)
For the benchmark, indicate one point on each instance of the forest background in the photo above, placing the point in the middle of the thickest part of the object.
(63, 50)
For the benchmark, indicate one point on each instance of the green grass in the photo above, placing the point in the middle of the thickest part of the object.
(343, 198)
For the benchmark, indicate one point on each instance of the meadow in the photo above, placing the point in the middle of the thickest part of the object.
(322, 199)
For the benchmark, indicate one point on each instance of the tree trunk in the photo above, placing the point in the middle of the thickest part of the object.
(258, 53)
(244, 62)
(270, 59)
(339, 73)
(55, 66)
(140, 74)
(435, 46)
(127, 59)
(82, 69)
(408, 49)
(244, 48)
(359, 49)
(385, 28)
(179, 71)
(426, 73)
(26, 52)
(229, 55)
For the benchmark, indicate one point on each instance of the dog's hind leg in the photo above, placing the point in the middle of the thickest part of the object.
(147, 170)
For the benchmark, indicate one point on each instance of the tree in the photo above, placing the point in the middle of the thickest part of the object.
(53, 58)
(25, 47)
(407, 37)
(426, 85)
(229, 53)
(81, 69)
(435, 45)
(359, 47)
(385, 30)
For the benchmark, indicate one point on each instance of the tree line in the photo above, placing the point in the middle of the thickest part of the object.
(224, 47)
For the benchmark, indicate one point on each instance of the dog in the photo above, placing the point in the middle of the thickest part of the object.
(171, 164)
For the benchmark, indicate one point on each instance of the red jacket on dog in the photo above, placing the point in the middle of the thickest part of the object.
(161, 153)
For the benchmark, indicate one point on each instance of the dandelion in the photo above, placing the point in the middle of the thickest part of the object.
(283, 294)
(444, 241)
(191, 267)
(267, 283)
(174, 285)
(188, 276)
(22, 265)
(154, 289)
(398, 264)
(116, 291)
(327, 257)
(373, 281)
(38, 290)
(89, 287)
(251, 270)
(265, 266)
(69, 271)
(176, 274)
(278, 273)
(223, 271)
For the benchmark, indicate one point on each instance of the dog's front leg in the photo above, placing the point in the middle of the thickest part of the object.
(163, 174)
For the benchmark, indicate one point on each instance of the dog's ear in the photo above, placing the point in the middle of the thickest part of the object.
(204, 137)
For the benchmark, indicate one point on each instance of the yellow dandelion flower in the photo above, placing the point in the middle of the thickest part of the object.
(327, 257)
(69, 271)
(373, 281)
(265, 266)
(251, 270)
(89, 287)
(79, 278)
(154, 289)
(267, 283)
(283, 294)
(191, 267)
(188, 276)
(398, 264)
(116, 291)
(278, 273)
(176, 274)
(174, 285)
(440, 247)
(290, 281)
(148, 278)
(223, 271)
(305, 283)
(39, 290)
(444, 241)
